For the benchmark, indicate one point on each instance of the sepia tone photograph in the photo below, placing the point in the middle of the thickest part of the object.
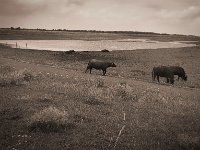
(99, 74)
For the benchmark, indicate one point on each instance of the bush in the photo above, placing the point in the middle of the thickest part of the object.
(70, 52)
(105, 50)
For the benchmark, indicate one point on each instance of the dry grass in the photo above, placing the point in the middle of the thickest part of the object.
(50, 119)
(125, 92)
(10, 77)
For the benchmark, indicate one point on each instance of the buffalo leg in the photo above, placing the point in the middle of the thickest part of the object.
(167, 80)
(90, 70)
(182, 78)
(158, 78)
(86, 69)
(172, 80)
(153, 76)
(104, 72)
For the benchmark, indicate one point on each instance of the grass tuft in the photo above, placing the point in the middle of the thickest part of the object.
(99, 83)
(125, 92)
(9, 77)
(50, 119)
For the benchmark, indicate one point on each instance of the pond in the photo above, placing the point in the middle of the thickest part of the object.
(81, 45)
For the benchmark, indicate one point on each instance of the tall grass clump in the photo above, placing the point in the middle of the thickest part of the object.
(99, 83)
(153, 95)
(125, 92)
(11, 77)
(50, 119)
(119, 91)
(100, 91)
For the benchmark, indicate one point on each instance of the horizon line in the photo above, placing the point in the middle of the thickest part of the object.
(88, 30)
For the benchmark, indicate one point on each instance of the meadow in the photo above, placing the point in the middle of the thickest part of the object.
(47, 101)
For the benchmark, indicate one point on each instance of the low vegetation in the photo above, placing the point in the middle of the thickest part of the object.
(104, 50)
(49, 119)
(10, 77)
(17, 33)
(48, 102)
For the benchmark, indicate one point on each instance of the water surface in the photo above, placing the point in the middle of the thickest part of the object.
(80, 45)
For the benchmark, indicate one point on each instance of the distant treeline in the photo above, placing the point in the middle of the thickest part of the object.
(126, 32)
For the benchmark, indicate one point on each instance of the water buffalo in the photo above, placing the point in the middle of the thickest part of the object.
(179, 71)
(99, 65)
(163, 71)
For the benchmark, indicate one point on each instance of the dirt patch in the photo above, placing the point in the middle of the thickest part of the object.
(94, 102)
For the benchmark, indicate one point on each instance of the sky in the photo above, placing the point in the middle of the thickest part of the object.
(161, 16)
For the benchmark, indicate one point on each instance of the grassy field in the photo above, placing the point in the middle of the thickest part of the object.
(47, 101)
(27, 34)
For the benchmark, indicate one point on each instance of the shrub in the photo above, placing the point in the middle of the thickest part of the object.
(70, 52)
(105, 50)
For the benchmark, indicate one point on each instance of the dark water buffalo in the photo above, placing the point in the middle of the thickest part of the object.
(179, 71)
(163, 71)
(99, 65)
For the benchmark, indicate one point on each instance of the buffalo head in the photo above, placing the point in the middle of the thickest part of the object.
(113, 65)
(184, 77)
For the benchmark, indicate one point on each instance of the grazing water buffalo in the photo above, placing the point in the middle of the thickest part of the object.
(179, 71)
(163, 71)
(99, 65)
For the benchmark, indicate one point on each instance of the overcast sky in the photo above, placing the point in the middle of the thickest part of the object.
(162, 16)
